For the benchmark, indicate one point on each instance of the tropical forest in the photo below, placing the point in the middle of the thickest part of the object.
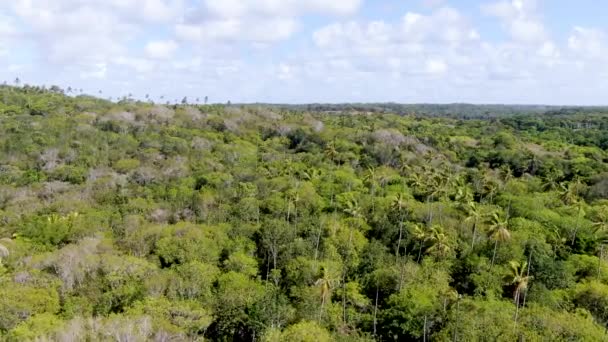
(141, 220)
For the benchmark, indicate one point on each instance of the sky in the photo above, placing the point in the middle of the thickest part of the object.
(305, 51)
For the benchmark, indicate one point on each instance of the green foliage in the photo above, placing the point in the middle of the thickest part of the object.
(137, 221)
(126, 165)
(19, 302)
(301, 332)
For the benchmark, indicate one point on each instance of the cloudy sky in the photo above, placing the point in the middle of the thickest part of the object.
(296, 51)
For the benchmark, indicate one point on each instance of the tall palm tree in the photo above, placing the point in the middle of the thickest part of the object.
(474, 215)
(399, 205)
(311, 174)
(419, 234)
(293, 200)
(463, 195)
(418, 181)
(353, 209)
(371, 178)
(570, 194)
(506, 174)
(331, 152)
(440, 245)
(491, 188)
(551, 182)
(499, 232)
(520, 279)
(600, 234)
(326, 284)
(520, 273)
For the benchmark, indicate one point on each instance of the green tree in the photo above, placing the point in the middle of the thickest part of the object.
(499, 232)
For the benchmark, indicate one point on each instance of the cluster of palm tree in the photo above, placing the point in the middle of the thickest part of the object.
(433, 240)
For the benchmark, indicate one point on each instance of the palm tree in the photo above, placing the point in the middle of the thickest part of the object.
(499, 232)
(550, 182)
(353, 209)
(569, 194)
(463, 193)
(399, 206)
(520, 273)
(600, 234)
(439, 242)
(417, 181)
(419, 234)
(370, 177)
(475, 215)
(326, 284)
(520, 278)
(506, 173)
(331, 152)
(490, 187)
(311, 174)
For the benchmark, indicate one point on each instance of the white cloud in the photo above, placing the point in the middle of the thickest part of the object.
(445, 27)
(285, 72)
(161, 49)
(236, 30)
(8, 32)
(140, 65)
(7, 26)
(436, 66)
(587, 42)
(520, 19)
(256, 21)
(435, 55)
(80, 32)
(99, 71)
(273, 8)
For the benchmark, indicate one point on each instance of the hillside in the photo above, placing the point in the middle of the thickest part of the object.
(133, 221)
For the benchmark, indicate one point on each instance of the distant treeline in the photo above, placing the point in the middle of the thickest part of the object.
(455, 110)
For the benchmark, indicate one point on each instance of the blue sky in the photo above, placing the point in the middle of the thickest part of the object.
(299, 51)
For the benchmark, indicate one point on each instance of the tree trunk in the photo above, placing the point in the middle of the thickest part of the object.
(474, 234)
(401, 274)
(400, 234)
(599, 261)
(517, 293)
(430, 216)
(528, 276)
(424, 330)
(344, 296)
(322, 306)
(457, 319)
(494, 255)
(376, 310)
(578, 216)
(318, 241)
